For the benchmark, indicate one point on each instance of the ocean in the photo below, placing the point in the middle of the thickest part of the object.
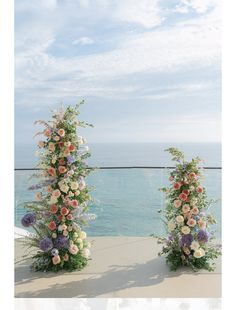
(126, 200)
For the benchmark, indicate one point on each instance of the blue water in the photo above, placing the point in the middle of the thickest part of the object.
(126, 201)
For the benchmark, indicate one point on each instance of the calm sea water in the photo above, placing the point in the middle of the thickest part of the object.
(126, 201)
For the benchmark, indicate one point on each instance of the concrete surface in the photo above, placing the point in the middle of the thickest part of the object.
(124, 267)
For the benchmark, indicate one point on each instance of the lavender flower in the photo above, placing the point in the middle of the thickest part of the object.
(28, 219)
(70, 159)
(54, 252)
(45, 244)
(61, 242)
(202, 235)
(186, 240)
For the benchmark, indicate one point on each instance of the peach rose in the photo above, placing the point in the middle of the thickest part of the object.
(177, 185)
(51, 171)
(177, 203)
(191, 222)
(69, 217)
(185, 208)
(56, 260)
(53, 209)
(61, 132)
(64, 211)
(195, 210)
(199, 189)
(73, 249)
(52, 225)
(62, 161)
(62, 169)
(51, 146)
(171, 178)
(74, 203)
(72, 148)
(56, 193)
(66, 152)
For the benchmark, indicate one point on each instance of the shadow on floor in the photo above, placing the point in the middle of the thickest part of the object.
(116, 278)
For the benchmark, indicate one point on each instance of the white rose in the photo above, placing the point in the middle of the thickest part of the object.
(74, 185)
(83, 235)
(171, 226)
(199, 253)
(185, 230)
(179, 219)
(59, 228)
(64, 188)
(86, 253)
(195, 245)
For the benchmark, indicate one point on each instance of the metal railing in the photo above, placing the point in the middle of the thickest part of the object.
(124, 167)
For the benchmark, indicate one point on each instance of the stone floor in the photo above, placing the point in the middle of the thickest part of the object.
(120, 267)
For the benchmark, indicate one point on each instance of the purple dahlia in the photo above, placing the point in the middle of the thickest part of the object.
(28, 219)
(45, 244)
(186, 240)
(61, 242)
(202, 235)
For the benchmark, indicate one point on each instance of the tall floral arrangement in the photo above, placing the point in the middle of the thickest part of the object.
(58, 212)
(189, 241)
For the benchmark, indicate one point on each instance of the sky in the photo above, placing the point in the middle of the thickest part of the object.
(148, 70)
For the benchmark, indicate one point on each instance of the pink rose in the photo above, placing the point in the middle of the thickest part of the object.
(199, 189)
(62, 169)
(183, 197)
(177, 185)
(195, 210)
(177, 203)
(74, 203)
(64, 211)
(191, 222)
(61, 132)
(73, 249)
(56, 193)
(56, 259)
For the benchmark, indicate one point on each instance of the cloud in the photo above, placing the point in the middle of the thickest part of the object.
(200, 6)
(50, 4)
(146, 13)
(83, 41)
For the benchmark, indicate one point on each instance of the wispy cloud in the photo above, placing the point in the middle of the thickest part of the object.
(117, 51)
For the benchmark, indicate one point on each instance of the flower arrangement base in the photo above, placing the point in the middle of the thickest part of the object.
(189, 242)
